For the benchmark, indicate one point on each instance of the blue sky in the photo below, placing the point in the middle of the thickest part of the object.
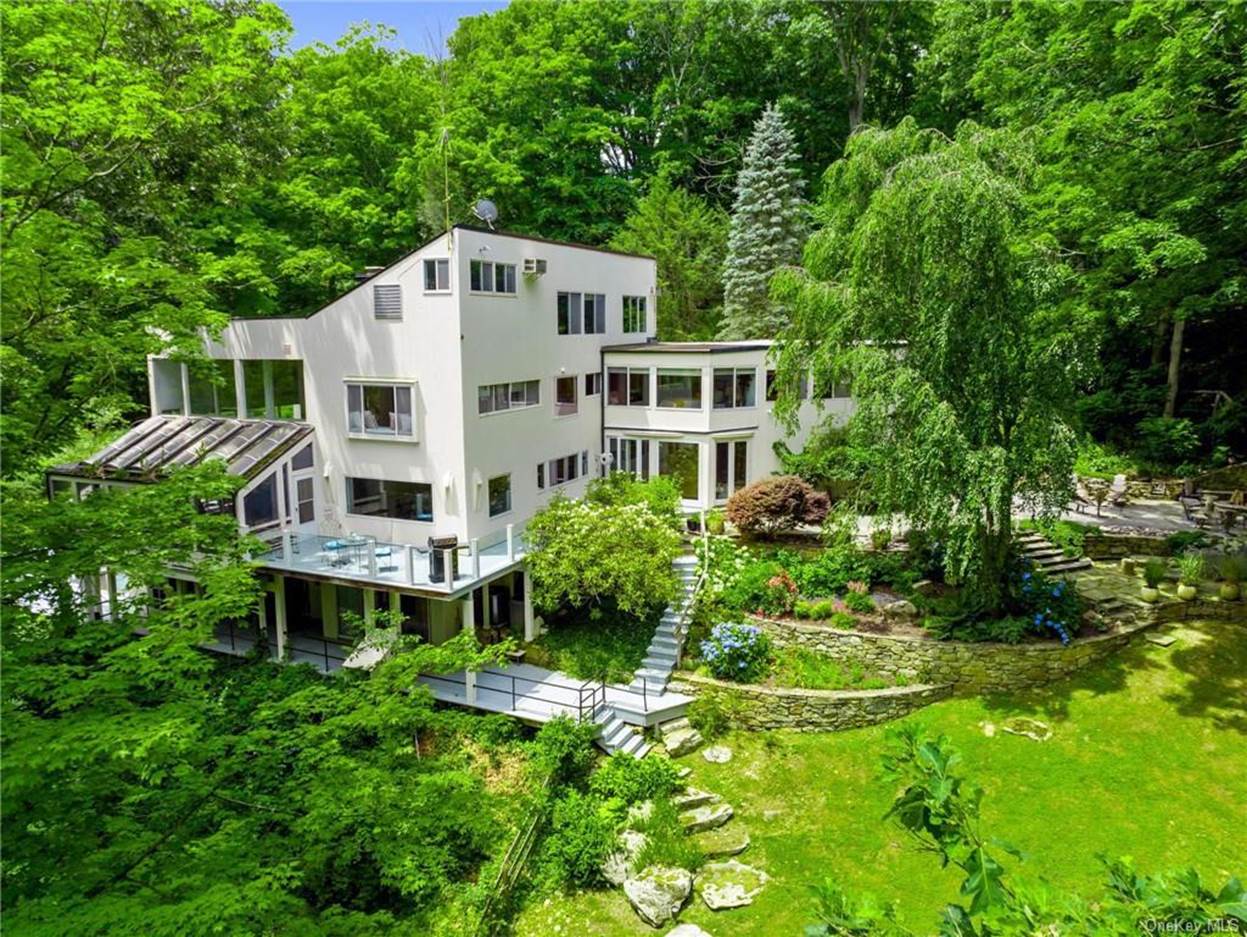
(421, 25)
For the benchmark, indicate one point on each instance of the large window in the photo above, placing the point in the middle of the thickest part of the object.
(679, 388)
(627, 387)
(499, 495)
(437, 275)
(212, 388)
(678, 460)
(629, 455)
(259, 505)
(408, 501)
(580, 312)
(731, 467)
(634, 314)
(772, 386)
(380, 410)
(734, 387)
(488, 277)
(387, 301)
(491, 398)
(565, 396)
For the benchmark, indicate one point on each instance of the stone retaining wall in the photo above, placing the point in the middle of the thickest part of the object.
(1177, 610)
(755, 708)
(1111, 546)
(968, 667)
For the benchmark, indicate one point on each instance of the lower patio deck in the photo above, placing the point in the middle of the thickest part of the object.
(537, 695)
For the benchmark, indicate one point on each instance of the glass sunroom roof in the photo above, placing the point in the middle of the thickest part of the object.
(162, 443)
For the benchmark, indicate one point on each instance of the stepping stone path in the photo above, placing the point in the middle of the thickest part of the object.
(717, 754)
(700, 819)
(729, 840)
(679, 738)
(686, 930)
(692, 798)
(729, 884)
(619, 864)
(658, 893)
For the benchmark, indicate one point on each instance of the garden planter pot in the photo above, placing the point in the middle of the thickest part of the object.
(1229, 591)
(1186, 593)
(1149, 594)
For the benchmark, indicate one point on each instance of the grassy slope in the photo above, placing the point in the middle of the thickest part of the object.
(1148, 758)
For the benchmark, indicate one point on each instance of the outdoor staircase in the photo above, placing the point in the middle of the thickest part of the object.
(663, 654)
(1048, 557)
(618, 736)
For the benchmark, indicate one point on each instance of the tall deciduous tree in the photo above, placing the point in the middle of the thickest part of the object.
(927, 289)
(768, 227)
(688, 238)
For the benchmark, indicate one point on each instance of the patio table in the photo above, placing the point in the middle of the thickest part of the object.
(1236, 511)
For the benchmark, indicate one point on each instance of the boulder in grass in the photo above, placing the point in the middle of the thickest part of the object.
(729, 884)
(900, 611)
(682, 741)
(686, 930)
(708, 817)
(717, 754)
(658, 893)
(619, 863)
(692, 797)
(723, 842)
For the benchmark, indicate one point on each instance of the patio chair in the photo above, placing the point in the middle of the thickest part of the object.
(1192, 511)
(1082, 499)
(1117, 491)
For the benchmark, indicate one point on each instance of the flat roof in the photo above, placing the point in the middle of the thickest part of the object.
(162, 443)
(696, 347)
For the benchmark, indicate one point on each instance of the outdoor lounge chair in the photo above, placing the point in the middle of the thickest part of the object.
(1082, 500)
(1191, 508)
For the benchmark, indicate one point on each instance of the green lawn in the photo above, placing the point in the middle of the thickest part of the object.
(1148, 758)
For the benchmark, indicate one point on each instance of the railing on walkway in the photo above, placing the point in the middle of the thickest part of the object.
(590, 696)
(513, 861)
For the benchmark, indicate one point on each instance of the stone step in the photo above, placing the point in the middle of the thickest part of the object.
(655, 674)
(662, 641)
(708, 817)
(659, 662)
(1038, 552)
(1071, 566)
(693, 798)
(673, 725)
(636, 746)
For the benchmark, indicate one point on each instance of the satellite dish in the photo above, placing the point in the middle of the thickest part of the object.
(487, 211)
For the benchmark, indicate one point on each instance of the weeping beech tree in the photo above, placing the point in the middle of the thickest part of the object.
(926, 289)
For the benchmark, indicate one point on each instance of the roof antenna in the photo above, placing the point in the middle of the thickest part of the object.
(487, 211)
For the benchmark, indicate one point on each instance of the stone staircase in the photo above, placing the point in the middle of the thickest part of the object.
(1048, 557)
(654, 674)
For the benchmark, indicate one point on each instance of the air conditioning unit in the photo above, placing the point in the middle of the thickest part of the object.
(534, 267)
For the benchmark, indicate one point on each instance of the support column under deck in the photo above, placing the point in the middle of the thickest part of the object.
(469, 625)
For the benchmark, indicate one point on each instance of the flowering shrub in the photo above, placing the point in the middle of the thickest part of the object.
(1050, 605)
(736, 652)
(773, 505)
(781, 593)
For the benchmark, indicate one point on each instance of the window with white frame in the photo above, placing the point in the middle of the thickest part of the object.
(387, 301)
(634, 314)
(437, 275)
(593, 383)
(627, 387)
(305, 499)
(380, 411)
(629, 455)
(513, 395)
(485, 276)
(565, 401)
(580, 312)
(679, 388)
(499, 495)
(408, 501)
(734, 387)
(731, 467)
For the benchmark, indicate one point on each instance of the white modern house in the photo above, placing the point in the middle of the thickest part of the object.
(394, 443)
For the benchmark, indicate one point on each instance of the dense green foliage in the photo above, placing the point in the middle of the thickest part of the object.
(927, 285)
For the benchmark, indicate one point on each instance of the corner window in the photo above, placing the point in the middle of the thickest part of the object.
(627, 387)
(634, 314)
(734, 387)
(259, 505)
(437, 275)
(593, 383)
(488, 277)
(564, 396)
(380, 411)
(499, 495)
(387, 301)
(516, 395)
(679, 388)
(407, 501)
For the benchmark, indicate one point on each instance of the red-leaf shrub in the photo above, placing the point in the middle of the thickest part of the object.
(773, 505)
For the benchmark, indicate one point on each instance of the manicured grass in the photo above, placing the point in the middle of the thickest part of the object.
(611, 648)
(1148, 758)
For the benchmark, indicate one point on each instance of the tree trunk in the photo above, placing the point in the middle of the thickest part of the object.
(1175, 365)
(1158, 337)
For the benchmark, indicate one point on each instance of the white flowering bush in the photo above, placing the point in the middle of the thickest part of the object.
(736, 652)
(582, 553)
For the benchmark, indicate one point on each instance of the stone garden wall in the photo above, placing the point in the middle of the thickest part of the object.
(968, 668)
(1113, 546)
(755, 708)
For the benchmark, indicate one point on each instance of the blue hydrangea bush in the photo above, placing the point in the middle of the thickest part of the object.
(736, 652)
(1052, 605)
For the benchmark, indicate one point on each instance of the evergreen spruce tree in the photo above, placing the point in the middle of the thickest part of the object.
(768, 228)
